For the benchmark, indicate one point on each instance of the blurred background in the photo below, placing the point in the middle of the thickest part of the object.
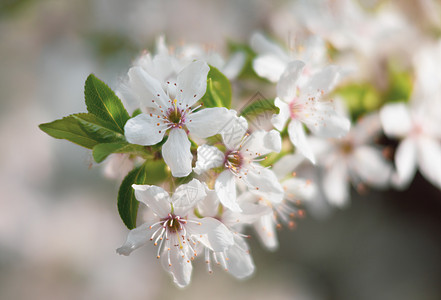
(59, 226)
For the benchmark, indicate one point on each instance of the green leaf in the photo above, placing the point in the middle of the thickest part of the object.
(101, 151)
(98, 129)
(69, 129)
(218, 92)
(82, 129)
(258, 107)
(151, 172)
(102, 102)
(360, 98)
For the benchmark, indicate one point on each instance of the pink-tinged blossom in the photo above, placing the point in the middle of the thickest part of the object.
(352, 159)
(300, 103)
(240, 162)
(418, 128)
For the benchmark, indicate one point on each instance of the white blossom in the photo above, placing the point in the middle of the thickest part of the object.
(172, 112)
(239, 162)
(299, 101)
(174, 230)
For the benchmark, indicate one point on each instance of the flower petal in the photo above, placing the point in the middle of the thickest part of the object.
(240, 263)
(429, 159)
(225, 188)
(233, 133)
(209, 205)
(212, 233)
(335, 184)
(287, 85)
(144, 130)
(264, 182)
(297, 136)
(155, 197)
(178, 264)
(187, 196)
(327, 122)
(299, 189)
(269, 66)
(266, 231)
(251, 212)
(146, 88)
(192, 83)
(234, 65)
(209, 121)
(136, 238)
(371, 166)
(208, 157)
(176, 153)
(262, 142)
(321, 82)
(396, 119)
(279, 120)
(405, 162)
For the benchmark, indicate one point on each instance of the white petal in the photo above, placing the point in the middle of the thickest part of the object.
(371, 166)
(154, 197)
(225, 188)
(396, 120)
(266, 232)
(335, 184)
(327, 122)
(280, 119)
(299, 189)
(176, 153)
(287, 85)
(297, 136)
(234, 65)
(179, 266)
(262, 45)
(251, 212)
(146, 88)
(262, 142)
(209, 121)
(192, 83)
(240, 262)
(233, 133)
(429, 160)
(264, 182)
(209, 205)
(212, 233)
(322, 82)
(269, 66)
(405, 162)
(143, 130)
(287, 164)
(136, 238)
(208, 157)
(187, 196)
(366, 129)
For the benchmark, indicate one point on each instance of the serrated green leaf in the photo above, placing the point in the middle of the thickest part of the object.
(98, 129)
(69, 129)
(103, 103)
(101, 151)
(82, 129)
(258, 107)
(151, 172)
(218, 92)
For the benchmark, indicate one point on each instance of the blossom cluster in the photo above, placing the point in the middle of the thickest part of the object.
(208, 174)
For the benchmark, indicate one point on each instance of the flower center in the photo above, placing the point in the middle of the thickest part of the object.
(175, 115)
(173, 223)
(294, 108)
(233, 160)
(346, 147)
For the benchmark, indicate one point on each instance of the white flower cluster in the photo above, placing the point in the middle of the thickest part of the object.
(232, 187)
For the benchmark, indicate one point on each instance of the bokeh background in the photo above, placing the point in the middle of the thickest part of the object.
(59, 226)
